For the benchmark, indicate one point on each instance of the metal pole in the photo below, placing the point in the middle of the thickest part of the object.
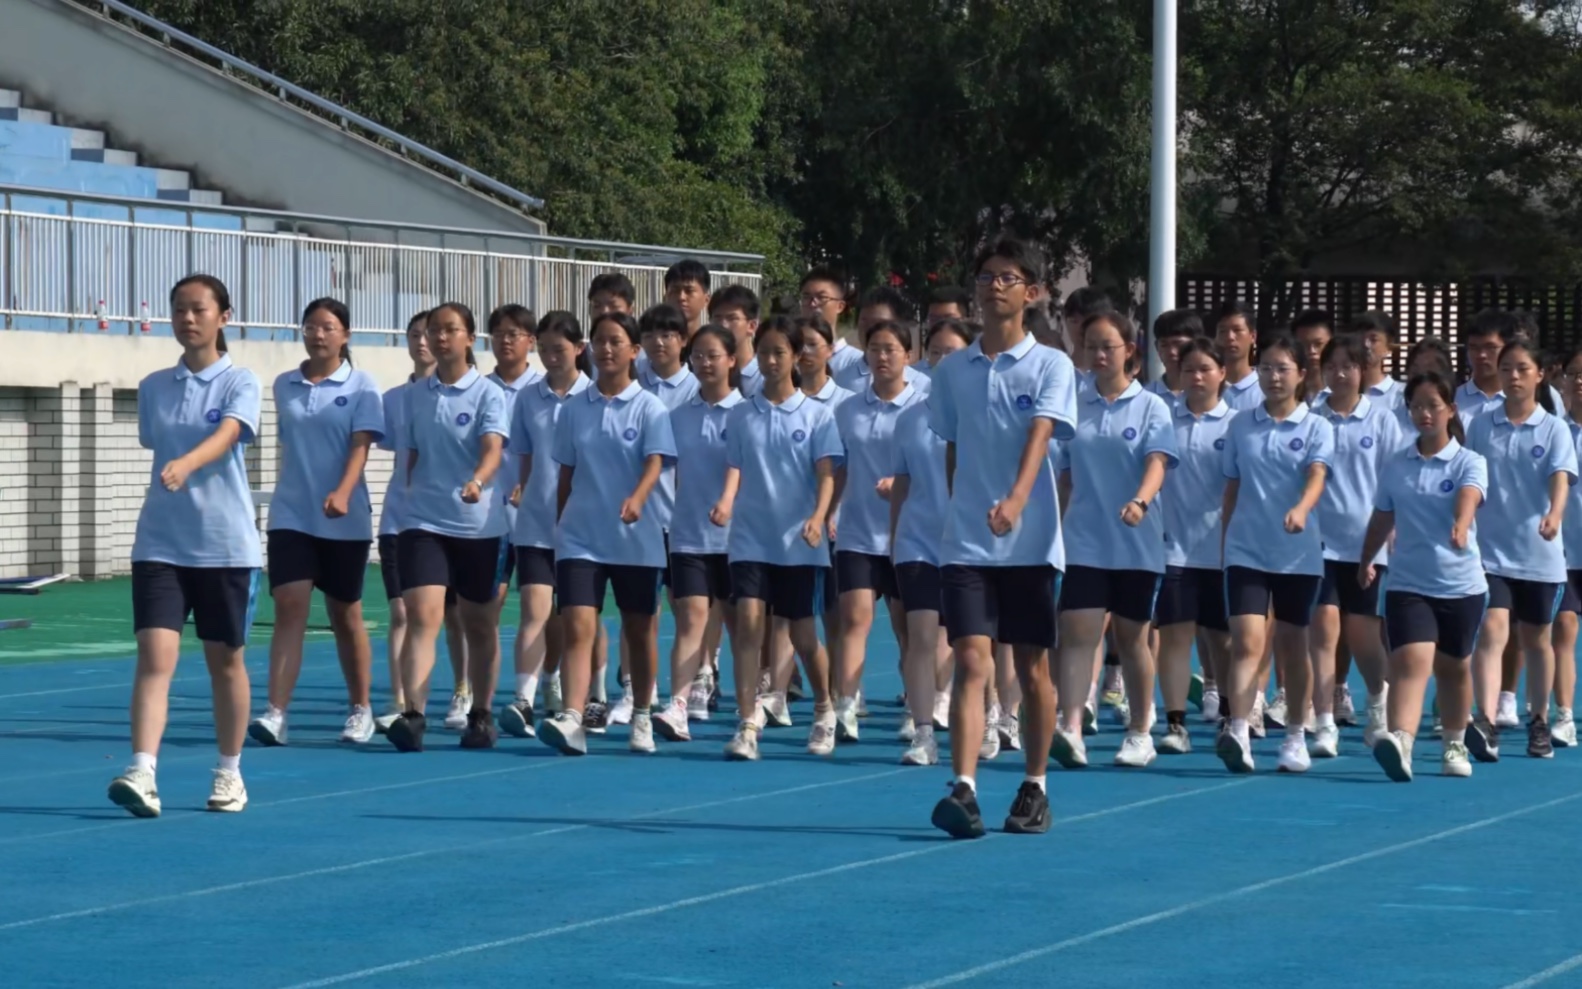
(1162, 179)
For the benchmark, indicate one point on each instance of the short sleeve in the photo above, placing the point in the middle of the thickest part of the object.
(1383, 497)
(659, 437)
(242, 401)
(1159, 434)
(493, 417)
(826, 441)
(522, 445)
(1477, 430)
(1057, 396)
(941, 401)
(1562, 454)
(1474, 473)
(1227, 457)
(368, 415)
(564, 450)
(1320, 443)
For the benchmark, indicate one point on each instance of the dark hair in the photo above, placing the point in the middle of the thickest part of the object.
(735, 297)
(901, 332)
(1313, 317)
(1541, 394)
(1439, 349)
(1446, 388)
(1124, 327)
(952, 295)
(421, 319)
(688, 270)
(1235, 308)
(1494, 323)
(663, 318)
(815, 324)
(222, 298)
(616, 284)
(1207, 347)
(883, 295)
(1527, 326)
(628, 326)
(1028, 258)
(563, 324)
(1084, 302)
(792, 330)
(1283, 341)
(1044, 330)
(1175, 323)
(520, 317)
(824, 273)
(1347, 345)
(465, 313)
(726, 339)
(1371, 321)
(968, 332)
(336, 308)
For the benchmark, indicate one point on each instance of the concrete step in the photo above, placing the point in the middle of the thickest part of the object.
(26, 116)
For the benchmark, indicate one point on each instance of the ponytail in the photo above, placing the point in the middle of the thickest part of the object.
(582, 362)
(219, 342)
(1457, 431)
(346, 352)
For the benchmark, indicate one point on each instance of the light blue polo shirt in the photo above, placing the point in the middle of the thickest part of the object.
(1364, 439)
(533, 435)
(1272, 459)
(1114, 440)
(1521, 459)
(607, 442)
(842, 357)
(395, 411)
(1160, 388)
(867, 430)
(1471, 402)
(750, 380)
(507, 474)
(857, 377)
(1193, 497)
(831, 395)
(446, 425)
(674, 391)
(986, 407)
(700, 433)
(1571, 529)
(1421, 492)
(316, 425)
(1244, 395)
(776, 447)
(919, 455)
(211, 521)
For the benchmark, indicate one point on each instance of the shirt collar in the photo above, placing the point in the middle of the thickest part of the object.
(339, 375)
(1132, 390)
(628, 393)
(1261, 413)
(1448, 453)
(901, 399)
(1219, 411)
(1027, 343)
(1537, 418)
(798, 397)
(463, 383)
(675, 380)
(1247, 382)
(578, 385)
(732, 399)
(206, 375)
(1359, 412)
(1385, 387)
(827, 392)
(1471, 390)
(528, 377)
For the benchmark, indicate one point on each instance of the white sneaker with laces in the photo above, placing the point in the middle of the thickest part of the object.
(1211, 706)
(554, 700)
(1175, 740)
(821, 739)
(1345, 710)
(359, 727)
(908, 730)
(621, 710)
(743, 746)
(1456, 761)
(941, 712)
(671, 723)
(1378, 718)
(228, 795)
(1137, 750)
(136, 792)
(1505, 713)
(776, 711)
(1010, 732)
(1234, 751)
(1275, 714)
(1326, 742)
(642, 737)
(564, 733)
(269, 728)
(460, 704)
(924, 750)
(1393, 752)
(1068, 749)
(384, 721)
(1564, 731)
(1255, 720)
(846, 729)
(1293, 756)
(698, 697)
(989, 747)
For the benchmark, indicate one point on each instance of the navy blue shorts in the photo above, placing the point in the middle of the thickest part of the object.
(792, 593)
(1251, 592)
(335, 566)
(1128, 594)
(221, 600)
(583, 584)
(1451, 624)
(1340, 589)
(535, 565)
(1531, 602)
(700, 575)
(1571, 599)
(1012, 605)
(919, 586)
(865, 572)
(470, 567)
(1192, 594)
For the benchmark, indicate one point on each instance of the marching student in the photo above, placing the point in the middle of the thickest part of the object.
(700, 575)
(1313, 330)
(687, 289)
(1486, 337)
(612, 444)
(1563, 731)
(1074, 311)
(1173, 330)
(823, 294)
(611, 292)
(1234, 332)
(736, 308)
(918, 497)
(196, 549)
(877, 305)
(1367, 435)
(1532, 463)
(1380, 340)
(782, 450)
(1276, 458)
(456, 430)
(1191, 603)
(997, 404)
(864, 570)
(1111, 472)
(1428, 499)
(320, 517)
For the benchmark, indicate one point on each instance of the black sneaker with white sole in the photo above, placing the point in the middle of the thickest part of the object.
(406, 732)
(1029, 811)
(595, 716)
(957, 815)
(1483, 740)
(480, 732)
(1540, 743)
(517, 719)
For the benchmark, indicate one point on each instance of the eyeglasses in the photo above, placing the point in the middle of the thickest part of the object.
(1103, 348)
(1277, 370)
(818, 301)
(508, 336)
(1005, 279)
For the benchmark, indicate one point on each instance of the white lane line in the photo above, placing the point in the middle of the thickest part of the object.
(1538, 978)
(1195, 905)
(735, 891)
(424, 853)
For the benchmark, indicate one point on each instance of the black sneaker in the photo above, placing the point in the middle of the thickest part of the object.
(957, 815)
(596, 716)
(480, 732)
(1540, 743)
(1029, 811)
(517, 719)
(406, 732)
(1483, 740)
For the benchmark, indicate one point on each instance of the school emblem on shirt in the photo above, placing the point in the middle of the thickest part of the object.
(1219, 444)
(1296, 444)
(1447, 485)
(1128, 433)
(630, 434)
(213, 415)
(798, 436)
(1538, 451)
(463, 419)
(1366, 442)
(1024, 402)
(340, 400)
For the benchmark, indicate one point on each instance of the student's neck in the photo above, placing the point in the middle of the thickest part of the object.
(1237, 370)
(714, 392)
(888, 390)
(1173, 382)
(1344, 403)
(814, 383)
(1311, 388)
(611, 385)
(420, 371)
(1112, 386)
(203, 357)
(1429, 444)
(449, 374)
(1489, 386)
(744, 354)
(1201, 406)
(315, 370)
(1372, 376)
(776, 392)
(560, 382)
(998, 337)
(1280, 408)
(1518, 410)
(664, 372)
(510, 372)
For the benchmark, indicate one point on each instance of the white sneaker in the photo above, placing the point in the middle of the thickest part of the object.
(460, 704)
(1010, 732)
(941, 712)
(1275, 713)
(743, 746)
(1378, 718)
(1234, 751)
(862, 705)
(1255, 720)
(228, 795)
(1211, 706)
(384, 721)
(1505, 713)
(776, 712)
(698, 697)
(1068, 749)
(269, 728)
(846, 729)
(1175, 741)
(1326, 742)
(1393, 753)
(908, 730)
(1293, 756)
(564, 734)
(1090, 719)
(1455, 761)
(821, 739)
(989, 747)
(359, 727)
(135, 791)
(642, 737)
(621, 710)
(554, 700)
(924, 750)
(1137, 750)
(1345, 710)
(1564, 731)
(671, 723)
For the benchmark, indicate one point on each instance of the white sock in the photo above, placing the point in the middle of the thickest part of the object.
(1326, 720)
(600, 692)
(1238, 727)
(526, 686)
(231, 762)
(925, 731)
(1036, 780)
(571, 714)
(1294, 732)
(144, 760)
(969, 782)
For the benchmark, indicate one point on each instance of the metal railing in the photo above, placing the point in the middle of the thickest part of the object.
(339, 115)
(76, 262)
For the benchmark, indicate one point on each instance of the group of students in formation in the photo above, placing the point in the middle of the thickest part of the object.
(1048, 534)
